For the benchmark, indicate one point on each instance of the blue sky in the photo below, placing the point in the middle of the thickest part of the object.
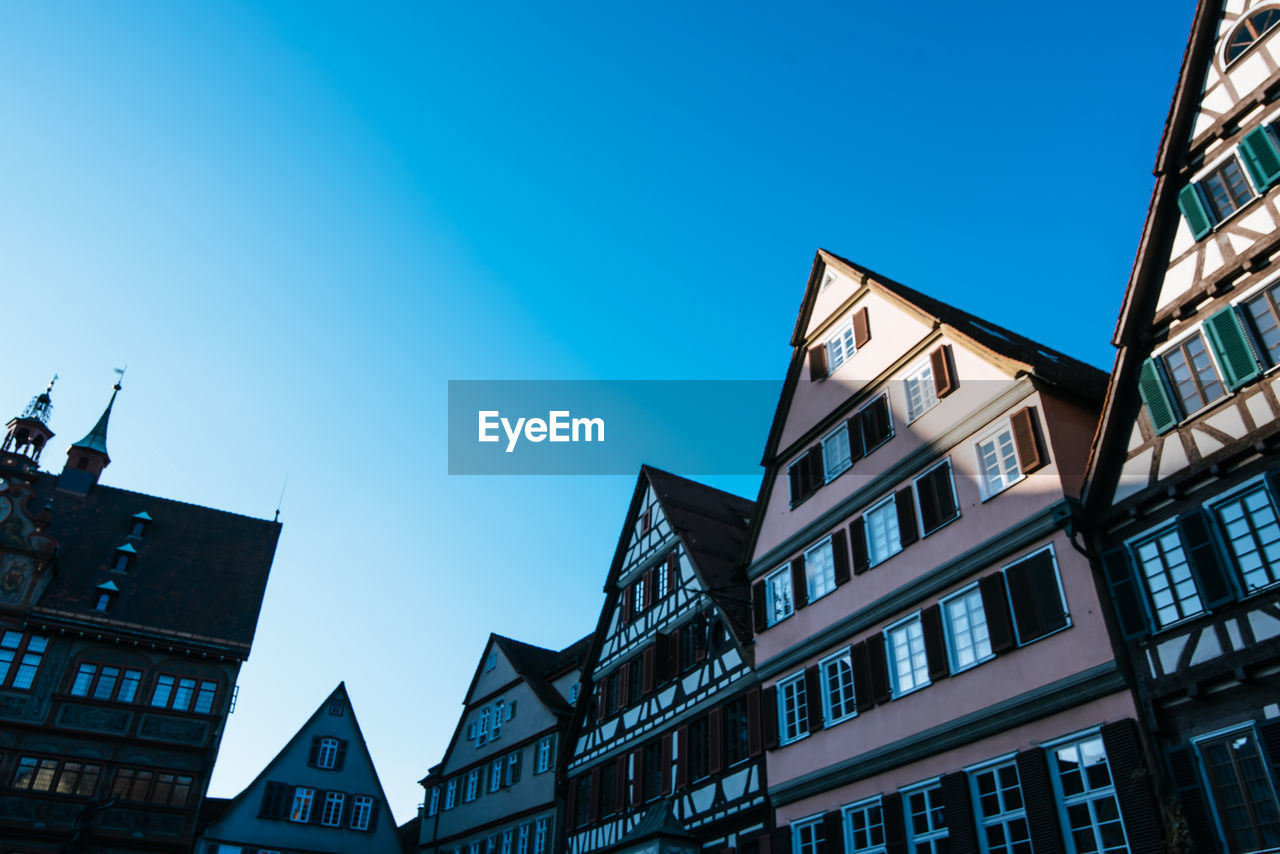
(295, 222)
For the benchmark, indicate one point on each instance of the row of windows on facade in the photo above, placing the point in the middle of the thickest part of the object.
(529, 837)
(870, 426)
(78, 778)
(307, 805)
(488, 725)
(652, 586)
(1226, 550)
(1012, 607)
(494, 776)
(723, 738)
(124, 685)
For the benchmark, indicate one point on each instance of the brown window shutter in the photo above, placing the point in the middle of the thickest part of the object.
(662, 656)
(769, 716)
(937, 500)
(881, 688)
(935, 642)
(759, 618)
(673, 572)
(675, 644)
(861, 660)
(571, 804)
(817, 472)
(813, 697)
(715, 741)
(944, 372)
(1138, 803)
(1041, 806)
(854, 426)
(593, 807)
(624, 606)
(782, 839)
(799, 589)
(817, 362)
(795, 481)
(637, 777)
(858, 543)
(701, 626)
(682, 762)
(754, 735)
(833, 830)
(649, 657)
(623, 675)
(905, 502)
(840, 550)
(649, 588)
(895, 828)
(1027, 439)
(958, 807)
(861, 327)
(621, 788)
(666, 759)
(995, 604)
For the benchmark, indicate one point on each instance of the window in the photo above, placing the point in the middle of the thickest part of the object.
(936, 493)
(182, 696)
(1241, 789)
(333, 803)
(514, 760)
(204, 700)
(573, 692)
(966, 623)
(1090, 812)
(473, 785)
(793, 712)
(651, 781)
(433, 804)
(1035, 595)
(451, 794)
(361, 812)
(660, 589)
(166, 789)
(820, 570)
(77, 778)
(736, 731)
(506, 841)
(26, 651)
(777, 591)
(482, 731)
(302, 798)
(926, 820)
(998, 462)
(611, 688)
(543, 761)
(104, 602)
(583, 801)
(864, 828)
(1253, 28)
(491, 845)
(608, 789)
(699, 748)
(637, 597)
(876, 422)
(1225, 189)
(835, 452)
(1170, 587)
(522, 845)
(327, 754)
(840, 347)
(883, 538)
(922, 393)
(635, 679)
(837, 687)
(1000, 812)
(908, 664)
(807, 836)
(1192, 374)
(34, 774)
(1253, 534)
(540, 836)
(162, 692)
(1263, 312)
(492, 661)
(129, 686)
(495, 774)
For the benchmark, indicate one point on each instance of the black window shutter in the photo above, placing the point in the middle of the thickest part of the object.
(1034, 596)
(649, 661)
(840, 551)
(682, 761)
(1124, 593)
(958, 809)
(937, 500)
(817, 362)
(833, 830)
(341, 757)
(875, 422)
(813, 697)
(854, 426)
(571, 804)
(623, 675)
(862, 677)
(817, 471)
(905, 502)
(769, 716)
(1182, 767)
(715, 740)
(593, 803)
(858, 542)
(782, 839)
(1042, 807)
(317, 806)
(881, 690)
(935, 643)
(944, 372)
(794, 479)
(799, 589)
(1197, 536)
(895, 828)
(755, 745)
(675, 656)
(861, 327)
(662, 658)
(348, 805)
(650, 589)
(665, 760)
(314, 756)
(373, 817)
(995, 604)
(1027, 440)
(673, 571)
(1133, 783)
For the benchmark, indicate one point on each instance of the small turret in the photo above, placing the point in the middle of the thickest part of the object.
(27, 434)
(87, 458)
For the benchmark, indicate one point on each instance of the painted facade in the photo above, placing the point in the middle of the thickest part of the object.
(937, 667)
(1183, 495)
(668, 751)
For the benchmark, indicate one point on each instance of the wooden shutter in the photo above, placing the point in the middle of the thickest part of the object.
(876, 424)
(995, 604)
(650, 659)
(571, 803)
(1034, 596)
(373, 817)
(682, 761)
(348, 807)
(637, 777)
(769, 716)
(1261, 158)
(935, 642)
(881, 688)
(1197, 535)
(944, 372)
(673, 571)
(854, 426)
(759, 620)
(715, 740)
(662, 656)
(781, 839)
(895, 828)
(593, 803)
(1027, 440)
(620, 787)
(818, 362)
(840, 552)
(905, 502)
(958, 808)
(861, 327)
(1125, 595)
(817, 471)
(861, 661)
(799, 587)
(314, 758)
(1186, 781)
(833, 830)
(623, 675)
(273, 800)
(1041, 806)
(1192, 205)
(795, 482)
(624, 606)
(699, 628)
(937, 498)
(813, 697)
(1229, 342)
(341, 758)
(1160, 407)
(858, 543)
(675, 658)
(755, 737)
(650, 589)
(665, 760)
(317, 804)
(1137, 799)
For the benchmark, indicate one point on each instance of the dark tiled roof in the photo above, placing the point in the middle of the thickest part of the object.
(211, 809)
(408, 834)
(538, 665)
(198, 577)
(658, 820)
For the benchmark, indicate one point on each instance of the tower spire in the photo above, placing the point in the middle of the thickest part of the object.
(27, 434)
(87, 458)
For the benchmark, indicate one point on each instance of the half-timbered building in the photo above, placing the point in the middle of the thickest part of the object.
(938, 673)
(1184, 486)
(495, 790)
(124, 619)
(668, 752)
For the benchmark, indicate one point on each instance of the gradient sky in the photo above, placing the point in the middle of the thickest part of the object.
(295, 222)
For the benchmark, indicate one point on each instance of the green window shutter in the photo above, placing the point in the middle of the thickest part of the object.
(1193, 209)
(1261, 156)
(1159, 406)
(1227, 337)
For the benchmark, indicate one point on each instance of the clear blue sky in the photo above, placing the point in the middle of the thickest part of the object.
(296, 222)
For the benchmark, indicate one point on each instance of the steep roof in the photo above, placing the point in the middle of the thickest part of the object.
(538, 665)
(198, 576)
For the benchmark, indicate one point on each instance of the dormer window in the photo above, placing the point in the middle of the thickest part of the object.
(104, 602)
(1253, 28)
(106, 591)
(138, 525)
(123, 558)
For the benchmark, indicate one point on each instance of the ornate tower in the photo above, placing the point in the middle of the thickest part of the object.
(87, 458)
(28, 433)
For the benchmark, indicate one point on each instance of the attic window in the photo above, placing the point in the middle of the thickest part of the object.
(991, 330)
(106, 591)
(104, 602)
(138, 525)
(335, 708)
(646, 521)
(124, 556)
(492, 661)
(1250, 31)
(826, 281)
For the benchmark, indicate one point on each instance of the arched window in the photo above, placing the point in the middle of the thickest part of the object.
(1250, 30)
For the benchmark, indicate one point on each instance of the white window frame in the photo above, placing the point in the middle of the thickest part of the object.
(482, 730)
(1166, 377)
(906, 624)
(886, 505)
(817, 835)
(496, 768)
(1149, 606)
(495, 730)
(917, 375)
(1237, 494)
(506, 841)
(841, 339)
(850, 835)
(433, 803)
(1212, 166)
(793, 729)
(993, 435)
(473, 786)
(829, 717)
(1005, 816)
(831, 470)
(451, 794)
(949, 629)
(542, 762)
(540, 835)
(327, 756)
(361, 811)
(927, 842)
(827, 577)
(333, 804)
(522, 839)
(303, 803)
(1089, 796)
(778, 584)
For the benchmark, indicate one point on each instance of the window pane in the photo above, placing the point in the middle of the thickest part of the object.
(1171, 589)
(1253, 533)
